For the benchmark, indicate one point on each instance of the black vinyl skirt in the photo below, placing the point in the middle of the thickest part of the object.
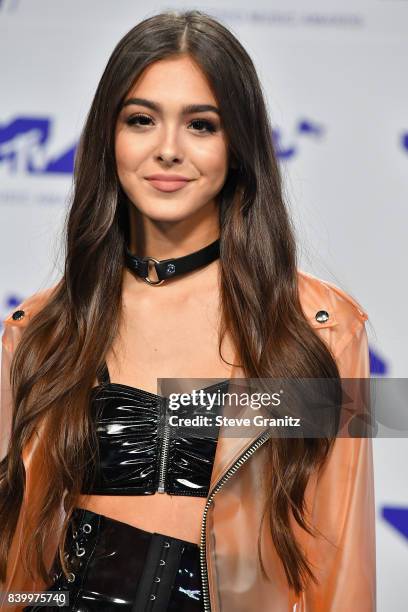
(116, 567)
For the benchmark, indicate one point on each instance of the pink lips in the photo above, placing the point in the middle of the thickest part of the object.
(171, 182)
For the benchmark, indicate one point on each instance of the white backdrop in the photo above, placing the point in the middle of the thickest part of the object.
(333, 73)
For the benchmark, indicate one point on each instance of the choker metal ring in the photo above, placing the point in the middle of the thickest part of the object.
(146, 278)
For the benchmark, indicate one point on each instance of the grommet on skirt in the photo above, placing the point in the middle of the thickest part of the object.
(114, 566)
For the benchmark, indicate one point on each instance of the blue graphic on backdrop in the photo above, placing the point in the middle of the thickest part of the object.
(397, 517)
(308, 127)
(13, 301)
(23, 148)
(404, 141)
(378, 365)
(9, 5)
(10, 303)
(303, 127)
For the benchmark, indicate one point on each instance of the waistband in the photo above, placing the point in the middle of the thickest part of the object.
(111, 562)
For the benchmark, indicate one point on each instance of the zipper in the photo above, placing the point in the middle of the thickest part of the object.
(165, 449)
(203, 554)
(164, 454)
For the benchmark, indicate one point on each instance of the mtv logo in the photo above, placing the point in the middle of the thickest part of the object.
(23, 149)
(304, 127)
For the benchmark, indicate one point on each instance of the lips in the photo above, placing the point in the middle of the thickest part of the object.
(167, 182)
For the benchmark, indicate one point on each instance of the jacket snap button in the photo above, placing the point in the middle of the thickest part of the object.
(71, 577)
(322, 316)
(18, 314)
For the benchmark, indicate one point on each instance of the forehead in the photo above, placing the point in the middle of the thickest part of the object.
(174, 79)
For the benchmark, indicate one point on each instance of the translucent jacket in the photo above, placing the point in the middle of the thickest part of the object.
(339, 500)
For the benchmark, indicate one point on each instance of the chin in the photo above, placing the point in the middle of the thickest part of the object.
(168, 211)
(168, 216)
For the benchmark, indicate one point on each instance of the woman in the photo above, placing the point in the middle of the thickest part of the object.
(176, 163)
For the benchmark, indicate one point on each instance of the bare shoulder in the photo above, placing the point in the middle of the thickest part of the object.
(330, 309)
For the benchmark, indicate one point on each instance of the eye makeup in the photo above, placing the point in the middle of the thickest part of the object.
(141, 120)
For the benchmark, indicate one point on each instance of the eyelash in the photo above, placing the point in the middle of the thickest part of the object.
(210, 127)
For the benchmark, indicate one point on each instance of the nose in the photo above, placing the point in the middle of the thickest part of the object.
(169, 148)
(168, 159)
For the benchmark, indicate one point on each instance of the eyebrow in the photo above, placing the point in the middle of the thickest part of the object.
(186, 110)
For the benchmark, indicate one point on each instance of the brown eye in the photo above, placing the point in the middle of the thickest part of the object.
(208, 125)
(138, 120)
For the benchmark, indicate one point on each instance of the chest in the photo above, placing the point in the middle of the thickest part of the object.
(170, 340)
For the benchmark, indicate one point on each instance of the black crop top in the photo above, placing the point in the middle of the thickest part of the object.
(139, 454)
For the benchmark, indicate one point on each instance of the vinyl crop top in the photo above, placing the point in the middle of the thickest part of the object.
(139, 454)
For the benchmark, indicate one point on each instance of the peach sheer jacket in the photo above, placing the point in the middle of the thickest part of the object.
(339, 500)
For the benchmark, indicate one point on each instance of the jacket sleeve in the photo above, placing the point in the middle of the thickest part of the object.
(16, 578)
(343, 509)
(5, 398)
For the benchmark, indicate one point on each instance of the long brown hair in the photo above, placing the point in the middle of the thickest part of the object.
(64, 345)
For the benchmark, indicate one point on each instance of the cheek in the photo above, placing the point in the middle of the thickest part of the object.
(213, 158)
(127, 154)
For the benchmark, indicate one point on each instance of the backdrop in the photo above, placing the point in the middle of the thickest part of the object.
(332, 72)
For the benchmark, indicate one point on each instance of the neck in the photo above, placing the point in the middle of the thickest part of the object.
(168, 239)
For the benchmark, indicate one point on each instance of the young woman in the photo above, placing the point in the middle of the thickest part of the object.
(176, 168)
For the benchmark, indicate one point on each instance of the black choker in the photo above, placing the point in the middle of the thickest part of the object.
(168, 268)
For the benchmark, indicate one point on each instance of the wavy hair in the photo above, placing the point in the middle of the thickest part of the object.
(65, 344)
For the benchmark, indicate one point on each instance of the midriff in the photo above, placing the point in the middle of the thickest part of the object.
(178, 516)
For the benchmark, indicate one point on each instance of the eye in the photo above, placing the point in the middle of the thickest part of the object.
(202, 125)
(208, 125)
(138, 120)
